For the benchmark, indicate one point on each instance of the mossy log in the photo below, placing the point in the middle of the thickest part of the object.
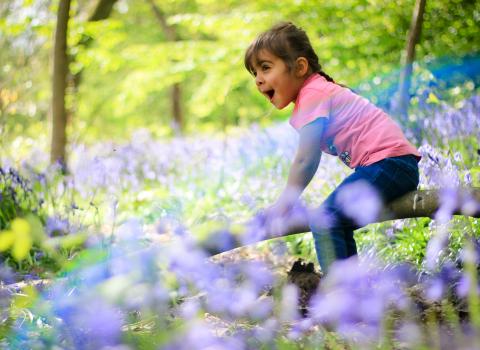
(416, 204)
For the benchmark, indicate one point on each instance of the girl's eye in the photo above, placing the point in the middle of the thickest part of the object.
(265, 67)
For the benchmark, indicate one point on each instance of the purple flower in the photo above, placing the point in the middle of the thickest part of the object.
(255, 230)
(95, 324)
(436, 286)
(258, 275)
(267, 331)
(219, 241)
(56, 226)
(410, 334)
(189, 309)
(319, 219)
(279, 248)
(88, 321)
(355, 297)
(245, 300)
(5, 303)
(360, 201)
(299, 328)
(7, 275)
(435, 248)
(463, 287)
(448, 203)
(289, 303)
(435, 289)
(199, 335)
(130, 230)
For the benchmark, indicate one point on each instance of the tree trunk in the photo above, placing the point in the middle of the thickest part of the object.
(176, 89)
(412, 205)
(60, 72)
(102, 10)
(407, 62)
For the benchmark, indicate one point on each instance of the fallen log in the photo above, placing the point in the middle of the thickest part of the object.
(416, 204)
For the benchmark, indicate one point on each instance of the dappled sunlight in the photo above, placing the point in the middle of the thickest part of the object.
(156, 231)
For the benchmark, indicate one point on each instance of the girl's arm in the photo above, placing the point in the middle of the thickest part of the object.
(303, 167)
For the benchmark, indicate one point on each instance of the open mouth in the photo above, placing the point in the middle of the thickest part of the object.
(270, 93)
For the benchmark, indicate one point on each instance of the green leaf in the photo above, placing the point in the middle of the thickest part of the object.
(475, 172)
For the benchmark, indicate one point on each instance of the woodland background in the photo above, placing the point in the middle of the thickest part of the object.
(177, 66)
(134, 142)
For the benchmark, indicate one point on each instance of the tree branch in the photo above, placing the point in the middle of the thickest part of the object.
(415, 204)
(169, 31)
(102, 10)
(407, 64)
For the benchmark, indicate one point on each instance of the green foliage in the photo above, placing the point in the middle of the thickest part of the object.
(406, 240)
(17, 198)
(24, 244)
(122, 67)
(406, 243)
(25, 32)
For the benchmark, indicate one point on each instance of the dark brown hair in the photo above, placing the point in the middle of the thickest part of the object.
(288, 42)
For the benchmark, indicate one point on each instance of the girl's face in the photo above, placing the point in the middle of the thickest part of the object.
(275, 81)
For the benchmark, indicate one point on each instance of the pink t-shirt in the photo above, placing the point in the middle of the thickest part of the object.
(356, 130)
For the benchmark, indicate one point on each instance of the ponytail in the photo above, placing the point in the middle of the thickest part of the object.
(330, 79)
(326, 76)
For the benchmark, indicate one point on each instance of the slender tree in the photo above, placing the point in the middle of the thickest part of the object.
(176, 88)
(60, 72)
(408, 59)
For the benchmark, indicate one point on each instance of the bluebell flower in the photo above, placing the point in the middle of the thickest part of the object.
(130, 230)
(360, 201)
(464, 285)
(266, 332)
(189, 309)
(94, 324)
(448, 200)
(435, 248)
(219, 241)
(5, 303)
(355, 296)
(7, 275)
(410, 334)
(258, 275)
(199, 336)
(289, 303)
(56, 226)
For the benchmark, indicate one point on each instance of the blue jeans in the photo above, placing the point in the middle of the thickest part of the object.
(390, 178)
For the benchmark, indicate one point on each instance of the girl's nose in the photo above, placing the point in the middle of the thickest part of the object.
(258, 80)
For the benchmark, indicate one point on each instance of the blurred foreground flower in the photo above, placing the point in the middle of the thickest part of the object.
(356, 296)
(18, 239)
(360, 201)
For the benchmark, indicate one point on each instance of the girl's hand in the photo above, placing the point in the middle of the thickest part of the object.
(278, 210)
(276, 217)
(284, 203)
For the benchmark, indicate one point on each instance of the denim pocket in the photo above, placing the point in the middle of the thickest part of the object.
(408, 170)
(405, 177)
(392, 177)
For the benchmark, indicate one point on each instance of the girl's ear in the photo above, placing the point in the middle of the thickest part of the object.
(301, 67)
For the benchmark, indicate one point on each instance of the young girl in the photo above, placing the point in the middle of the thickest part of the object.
(329, 118)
